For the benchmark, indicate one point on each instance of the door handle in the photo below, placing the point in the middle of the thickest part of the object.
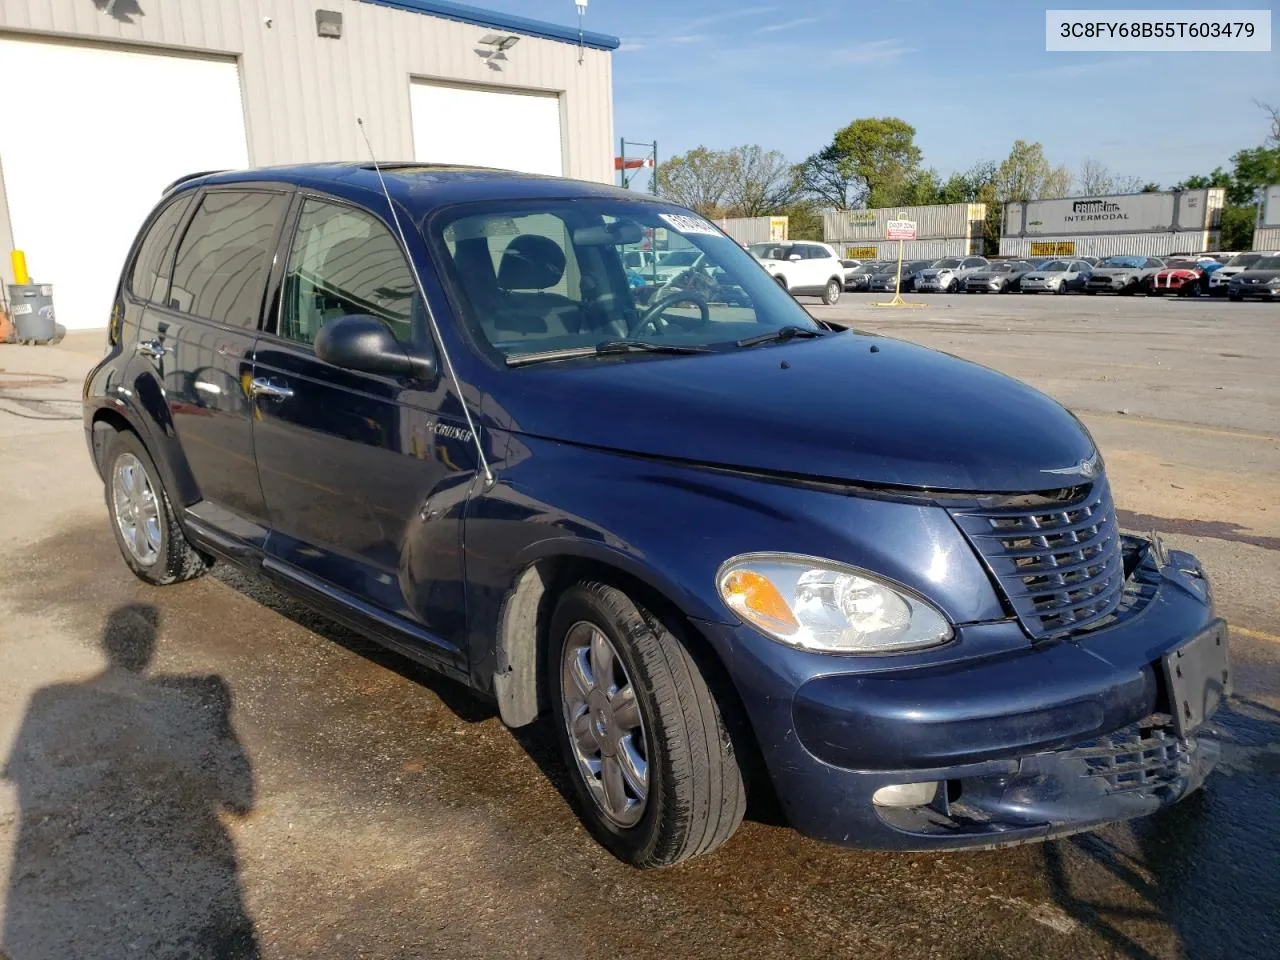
(262, 387)
(151, 348)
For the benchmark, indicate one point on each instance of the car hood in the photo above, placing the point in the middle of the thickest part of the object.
(1257, 276)
(988, 275)
(1042, 275)
(844, 407)
(1115, 271)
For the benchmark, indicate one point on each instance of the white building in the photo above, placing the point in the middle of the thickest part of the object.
(108, 101)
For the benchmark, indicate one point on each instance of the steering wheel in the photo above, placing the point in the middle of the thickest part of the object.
(654, 310)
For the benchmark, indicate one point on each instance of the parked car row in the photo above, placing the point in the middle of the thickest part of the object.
(1239, 276)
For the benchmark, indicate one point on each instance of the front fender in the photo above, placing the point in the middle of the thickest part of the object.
(672, 526)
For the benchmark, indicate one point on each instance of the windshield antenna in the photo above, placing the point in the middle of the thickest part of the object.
(431, 317)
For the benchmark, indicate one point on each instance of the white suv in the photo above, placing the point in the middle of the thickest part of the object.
(804, 268)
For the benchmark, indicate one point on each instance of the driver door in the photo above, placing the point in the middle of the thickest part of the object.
(363, 474)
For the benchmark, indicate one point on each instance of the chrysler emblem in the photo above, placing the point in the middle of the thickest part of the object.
(1087, 468)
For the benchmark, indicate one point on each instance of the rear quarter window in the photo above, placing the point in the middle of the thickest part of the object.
(150, 274)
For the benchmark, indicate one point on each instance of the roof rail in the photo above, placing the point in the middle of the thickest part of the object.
(190, 176)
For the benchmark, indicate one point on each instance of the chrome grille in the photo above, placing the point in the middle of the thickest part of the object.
(1059, 564)
(1140, 758)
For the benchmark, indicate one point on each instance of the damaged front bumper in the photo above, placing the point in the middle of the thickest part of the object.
(1038, 741)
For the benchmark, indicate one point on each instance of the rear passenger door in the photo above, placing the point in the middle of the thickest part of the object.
(364, 475)
(199, 332)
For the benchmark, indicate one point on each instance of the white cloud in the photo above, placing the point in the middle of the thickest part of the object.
(787, 25)
(875, 51)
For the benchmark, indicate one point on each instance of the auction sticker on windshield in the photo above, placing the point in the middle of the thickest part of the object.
(686, 224)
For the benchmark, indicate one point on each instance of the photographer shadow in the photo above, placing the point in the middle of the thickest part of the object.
(122, 781)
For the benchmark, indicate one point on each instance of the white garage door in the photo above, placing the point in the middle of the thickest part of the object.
(100, 134)
(487, 127)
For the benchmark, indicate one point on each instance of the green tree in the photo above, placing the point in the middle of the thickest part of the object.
(761, 182)
(1252, 170)
(700, 180)
(868, 163)
(1150, 187)
(804, 220)
(1027, 175)
(1237, 227)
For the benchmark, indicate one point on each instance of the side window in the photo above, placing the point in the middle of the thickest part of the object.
(344, 261)
(150, 274)
(225, 256)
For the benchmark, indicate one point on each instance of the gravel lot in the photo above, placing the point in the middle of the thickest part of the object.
(272, 786)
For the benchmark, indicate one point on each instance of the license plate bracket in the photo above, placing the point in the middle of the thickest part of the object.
(1198, 677)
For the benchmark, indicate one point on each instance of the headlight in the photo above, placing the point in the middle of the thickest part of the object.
(1274, 282)
(821, 605)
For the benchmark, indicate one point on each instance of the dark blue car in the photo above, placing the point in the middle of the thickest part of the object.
(725, 549)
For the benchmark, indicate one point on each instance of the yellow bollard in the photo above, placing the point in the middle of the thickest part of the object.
(19, 261)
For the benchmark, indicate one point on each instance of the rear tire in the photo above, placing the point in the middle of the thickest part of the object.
(694, 796)
(831, 295)
(142, 517)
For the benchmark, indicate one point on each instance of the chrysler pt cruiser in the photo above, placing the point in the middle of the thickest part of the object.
(720, 546)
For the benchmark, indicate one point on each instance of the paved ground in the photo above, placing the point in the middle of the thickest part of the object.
(209, 770)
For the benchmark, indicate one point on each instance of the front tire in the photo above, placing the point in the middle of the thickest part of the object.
(142, 518)
(648, 752)
(831, 295)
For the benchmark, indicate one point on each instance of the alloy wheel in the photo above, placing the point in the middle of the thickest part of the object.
(606, 731)
(137, 509)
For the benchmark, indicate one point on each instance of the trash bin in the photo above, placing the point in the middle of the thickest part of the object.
(31, 311)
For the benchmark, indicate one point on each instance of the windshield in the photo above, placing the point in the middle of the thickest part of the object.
(679, 258)
(1267, 263)
(1245, 260)
(949, 264)
(536, 276)
(1120, 262)
(1054, 266)
(1182, 265)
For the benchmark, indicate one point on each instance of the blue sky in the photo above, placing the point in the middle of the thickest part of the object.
(971, 76)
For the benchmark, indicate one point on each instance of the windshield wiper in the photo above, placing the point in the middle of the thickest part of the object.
(781, 335)
(602, 350)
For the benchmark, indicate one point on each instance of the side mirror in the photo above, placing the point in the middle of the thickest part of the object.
(361, 342)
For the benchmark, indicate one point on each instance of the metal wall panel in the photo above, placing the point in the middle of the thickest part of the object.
(1271, 207)
(1115, 244)
(911, 249)
(303, 93)
(747, 230)
(1194, 210)
(938, 222)
(1266, 238)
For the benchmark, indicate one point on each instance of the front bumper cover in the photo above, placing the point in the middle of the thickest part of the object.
(1011, 736)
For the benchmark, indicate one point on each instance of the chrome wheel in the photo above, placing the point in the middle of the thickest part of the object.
(606, 732)
(137, 509)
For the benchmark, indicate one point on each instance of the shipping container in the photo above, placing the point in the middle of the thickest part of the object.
(1266, 238)
(1271, 208)
(1169, 212)
(754, 229)
(911, 249)
(1111, 244)
(951, 221)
